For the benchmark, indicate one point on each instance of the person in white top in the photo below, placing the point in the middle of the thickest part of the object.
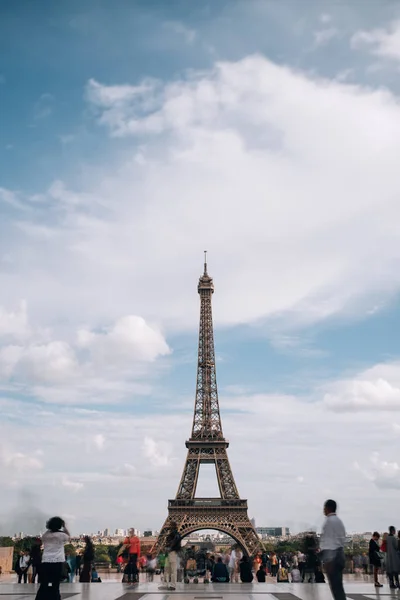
(53, 559)
(332, 547)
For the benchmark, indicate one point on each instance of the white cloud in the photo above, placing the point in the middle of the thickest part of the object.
(381, 42)
(156, 453)
(18, 461)
(384, 474)
(214, 144)
(124, 470)
(99, 441)
(14, 324)
(131, 338)
(374, 389)
(73, 486)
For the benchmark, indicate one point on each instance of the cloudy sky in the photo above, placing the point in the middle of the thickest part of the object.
(136, 134)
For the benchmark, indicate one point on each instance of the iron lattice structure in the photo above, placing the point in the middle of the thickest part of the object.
(207, 444)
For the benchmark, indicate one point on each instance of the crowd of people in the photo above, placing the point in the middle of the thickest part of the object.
(52, 565)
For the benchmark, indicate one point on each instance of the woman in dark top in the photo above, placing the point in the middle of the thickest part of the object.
(375, 556)
(246, 576)
(88, 557)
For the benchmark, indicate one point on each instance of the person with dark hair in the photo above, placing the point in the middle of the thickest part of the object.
(220, 572)
(88, 558)
(392, 558)
(22, 566)
(261, 574)
(53, 559)
(332, 546)
(246, 575)
(374, 554)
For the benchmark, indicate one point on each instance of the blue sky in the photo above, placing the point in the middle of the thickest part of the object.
(136, 135)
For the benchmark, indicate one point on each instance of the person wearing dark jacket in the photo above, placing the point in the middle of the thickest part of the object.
(36, 559)
(246, 576)
(173, 545)
(261, 574)
(375, 557)
(88, 558)
(220, 572)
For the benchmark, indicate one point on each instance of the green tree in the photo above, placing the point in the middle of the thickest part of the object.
(102, 558)
(101, 553)
(6, 542)
(70, 549)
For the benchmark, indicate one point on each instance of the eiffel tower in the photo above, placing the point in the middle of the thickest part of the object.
(207, 444)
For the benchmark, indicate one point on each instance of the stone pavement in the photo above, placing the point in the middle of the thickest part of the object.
(236, 591)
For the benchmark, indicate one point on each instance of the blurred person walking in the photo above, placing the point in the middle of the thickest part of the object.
(88, 558)
(332, 546)
(36, 559)
(53, 559)
(392, 558)
(173, 544)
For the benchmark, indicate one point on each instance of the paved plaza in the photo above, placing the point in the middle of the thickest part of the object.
(111, 590)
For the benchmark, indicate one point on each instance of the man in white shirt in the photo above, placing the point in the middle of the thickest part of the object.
(332, 546)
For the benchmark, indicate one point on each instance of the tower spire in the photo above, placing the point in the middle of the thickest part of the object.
(205, 262)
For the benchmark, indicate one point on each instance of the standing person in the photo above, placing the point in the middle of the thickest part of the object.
(301, 562)
(71, 560)
(383, 551)
(132, 544)
(392, 558)
(36, 559)
(173, 544)
(78, 560)
(53, 559)
(88, 558)
(23, 565)
(332, 546)
(375, 557)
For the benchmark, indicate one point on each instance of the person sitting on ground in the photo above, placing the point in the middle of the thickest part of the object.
(261, 574)
(295, 575)
(95, 576)
(283, 576)
(220, 572)
(246, 576)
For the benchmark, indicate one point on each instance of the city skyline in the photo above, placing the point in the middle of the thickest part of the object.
(265, 132)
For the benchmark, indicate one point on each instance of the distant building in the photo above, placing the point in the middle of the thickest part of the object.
(273, 531)
(107, 532)
(120, 532)
(253, 522)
